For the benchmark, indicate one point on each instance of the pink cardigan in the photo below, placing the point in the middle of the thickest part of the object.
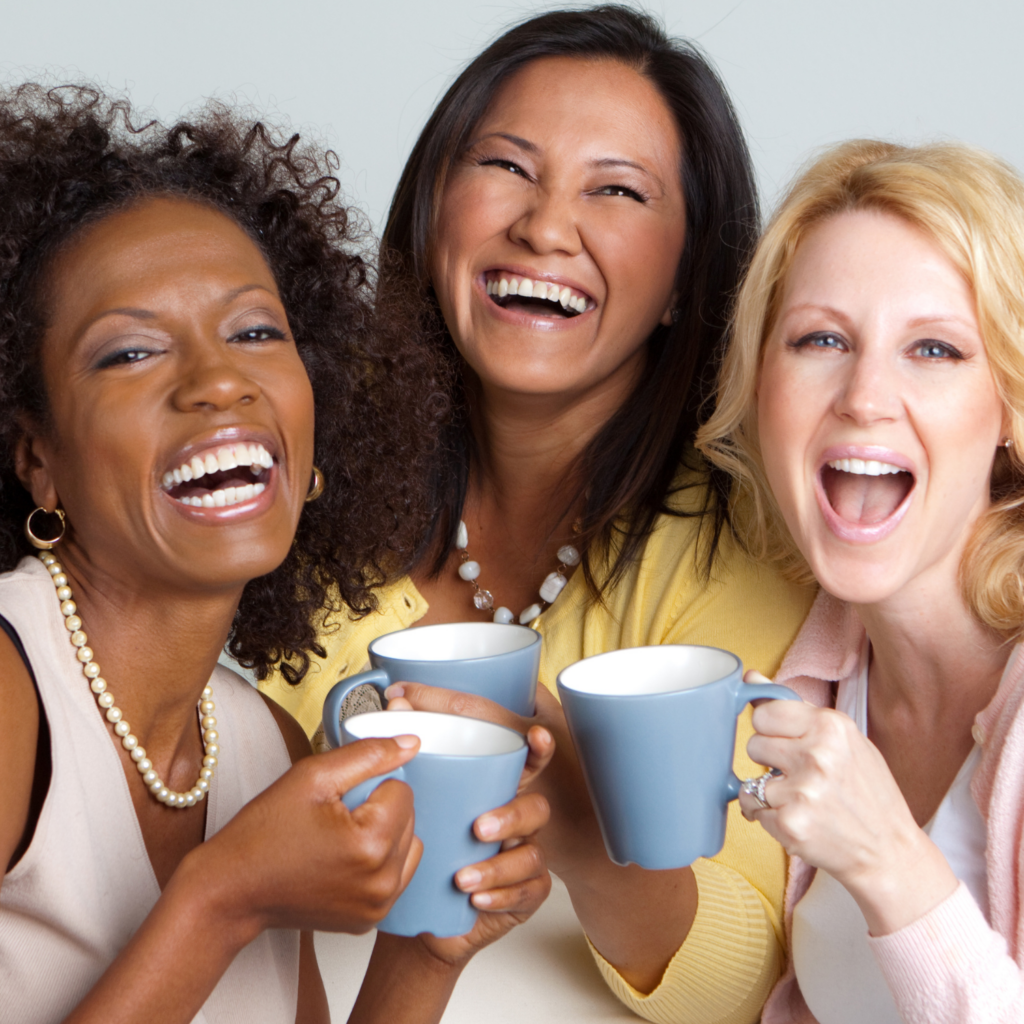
(950, 966)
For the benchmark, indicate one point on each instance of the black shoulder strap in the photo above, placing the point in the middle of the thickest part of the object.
(44, 763)
(18, 646)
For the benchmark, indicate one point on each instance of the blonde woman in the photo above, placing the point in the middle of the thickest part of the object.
(871, 406)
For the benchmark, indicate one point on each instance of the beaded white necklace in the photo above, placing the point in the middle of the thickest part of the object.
(483, 600)
(105, 699)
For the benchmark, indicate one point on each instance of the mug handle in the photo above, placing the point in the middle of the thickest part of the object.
(376, 677)
(361, 793)
(746, 693)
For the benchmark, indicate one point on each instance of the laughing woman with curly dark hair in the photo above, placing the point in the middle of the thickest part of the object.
(176, 306)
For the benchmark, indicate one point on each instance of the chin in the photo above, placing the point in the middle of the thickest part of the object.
(858, 580)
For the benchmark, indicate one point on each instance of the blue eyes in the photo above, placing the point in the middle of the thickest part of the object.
(936, 350)
(831, 342)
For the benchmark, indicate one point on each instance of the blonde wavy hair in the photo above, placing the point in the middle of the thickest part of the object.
(971, 204)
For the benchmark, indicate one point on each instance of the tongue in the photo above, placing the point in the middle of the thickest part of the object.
(541, 306)
(862, 499)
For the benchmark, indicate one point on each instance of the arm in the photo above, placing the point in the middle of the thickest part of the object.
(839, 808)
(294, 857)
(410, 980)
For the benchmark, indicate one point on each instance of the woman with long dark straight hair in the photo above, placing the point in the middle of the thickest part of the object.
(573, 221)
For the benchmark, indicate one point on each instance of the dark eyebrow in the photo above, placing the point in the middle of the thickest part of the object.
(516, 140)
(616, 161)
(148, 314)
(533, 150)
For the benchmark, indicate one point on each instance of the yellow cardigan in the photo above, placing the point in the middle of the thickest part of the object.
(734, 952)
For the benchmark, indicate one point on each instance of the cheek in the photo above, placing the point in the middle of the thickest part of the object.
(292, 395)
(962, 437)
(778, 416)
(645, 260)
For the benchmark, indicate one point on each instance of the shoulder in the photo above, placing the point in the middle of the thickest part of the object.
(291, 732)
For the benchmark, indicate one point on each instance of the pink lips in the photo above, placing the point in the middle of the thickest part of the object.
(244, 509)
(854, 533)
(229, 513)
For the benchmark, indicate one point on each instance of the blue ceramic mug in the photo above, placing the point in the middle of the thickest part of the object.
(464, 767)
(489, 659)
(655, 730)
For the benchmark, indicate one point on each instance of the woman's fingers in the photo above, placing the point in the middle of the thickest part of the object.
(339, 770)
(420, 697)
(541, 748)
(505, 870)
(784, 718)
(520, 817)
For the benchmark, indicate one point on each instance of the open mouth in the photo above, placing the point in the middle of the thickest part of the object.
(221, 476)
(515, 292)
(865, 492)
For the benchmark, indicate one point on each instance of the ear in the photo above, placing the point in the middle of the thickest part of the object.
(32, 466)
(666, 317)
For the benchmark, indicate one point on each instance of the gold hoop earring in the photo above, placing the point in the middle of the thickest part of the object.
(316, 486)
(40, 542)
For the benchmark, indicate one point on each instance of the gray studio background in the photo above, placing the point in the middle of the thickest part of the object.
(362, 75)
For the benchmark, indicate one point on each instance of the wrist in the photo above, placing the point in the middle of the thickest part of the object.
(418, 953)
(214, 902)
(904, 886)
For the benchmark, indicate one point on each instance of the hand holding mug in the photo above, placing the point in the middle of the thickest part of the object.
(506, 888)
(837, 806)
(572, 836)
(297, 857)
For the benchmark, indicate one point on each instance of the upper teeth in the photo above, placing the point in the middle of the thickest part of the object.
(865, 467)
(229, 456)
(529, 289)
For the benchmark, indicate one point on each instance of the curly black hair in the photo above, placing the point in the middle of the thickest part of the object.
(70, 156)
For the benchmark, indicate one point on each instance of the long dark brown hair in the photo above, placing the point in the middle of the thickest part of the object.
(70, 156)
(628, 472)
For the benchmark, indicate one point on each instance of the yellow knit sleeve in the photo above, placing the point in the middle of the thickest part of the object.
(734, 952)
(724, 971)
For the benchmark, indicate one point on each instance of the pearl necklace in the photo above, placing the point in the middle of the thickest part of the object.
(105, 699)
(483, 600)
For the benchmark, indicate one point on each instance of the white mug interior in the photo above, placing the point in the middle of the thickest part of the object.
(439, 734)
(454, 641)
(635, 671)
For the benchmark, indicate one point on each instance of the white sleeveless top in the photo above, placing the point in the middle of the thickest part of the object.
(839, 977)
(85, 883)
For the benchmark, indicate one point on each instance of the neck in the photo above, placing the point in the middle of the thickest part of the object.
(934, 664)
(156, 645)
(528, 446)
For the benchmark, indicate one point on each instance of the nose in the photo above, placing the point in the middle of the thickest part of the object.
(869, 392)
(548, 225)
(211, 379)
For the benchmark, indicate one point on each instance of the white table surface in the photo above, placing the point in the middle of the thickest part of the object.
(540, 972)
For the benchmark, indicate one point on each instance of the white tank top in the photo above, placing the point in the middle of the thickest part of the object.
(839, 977)
(85, 883)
